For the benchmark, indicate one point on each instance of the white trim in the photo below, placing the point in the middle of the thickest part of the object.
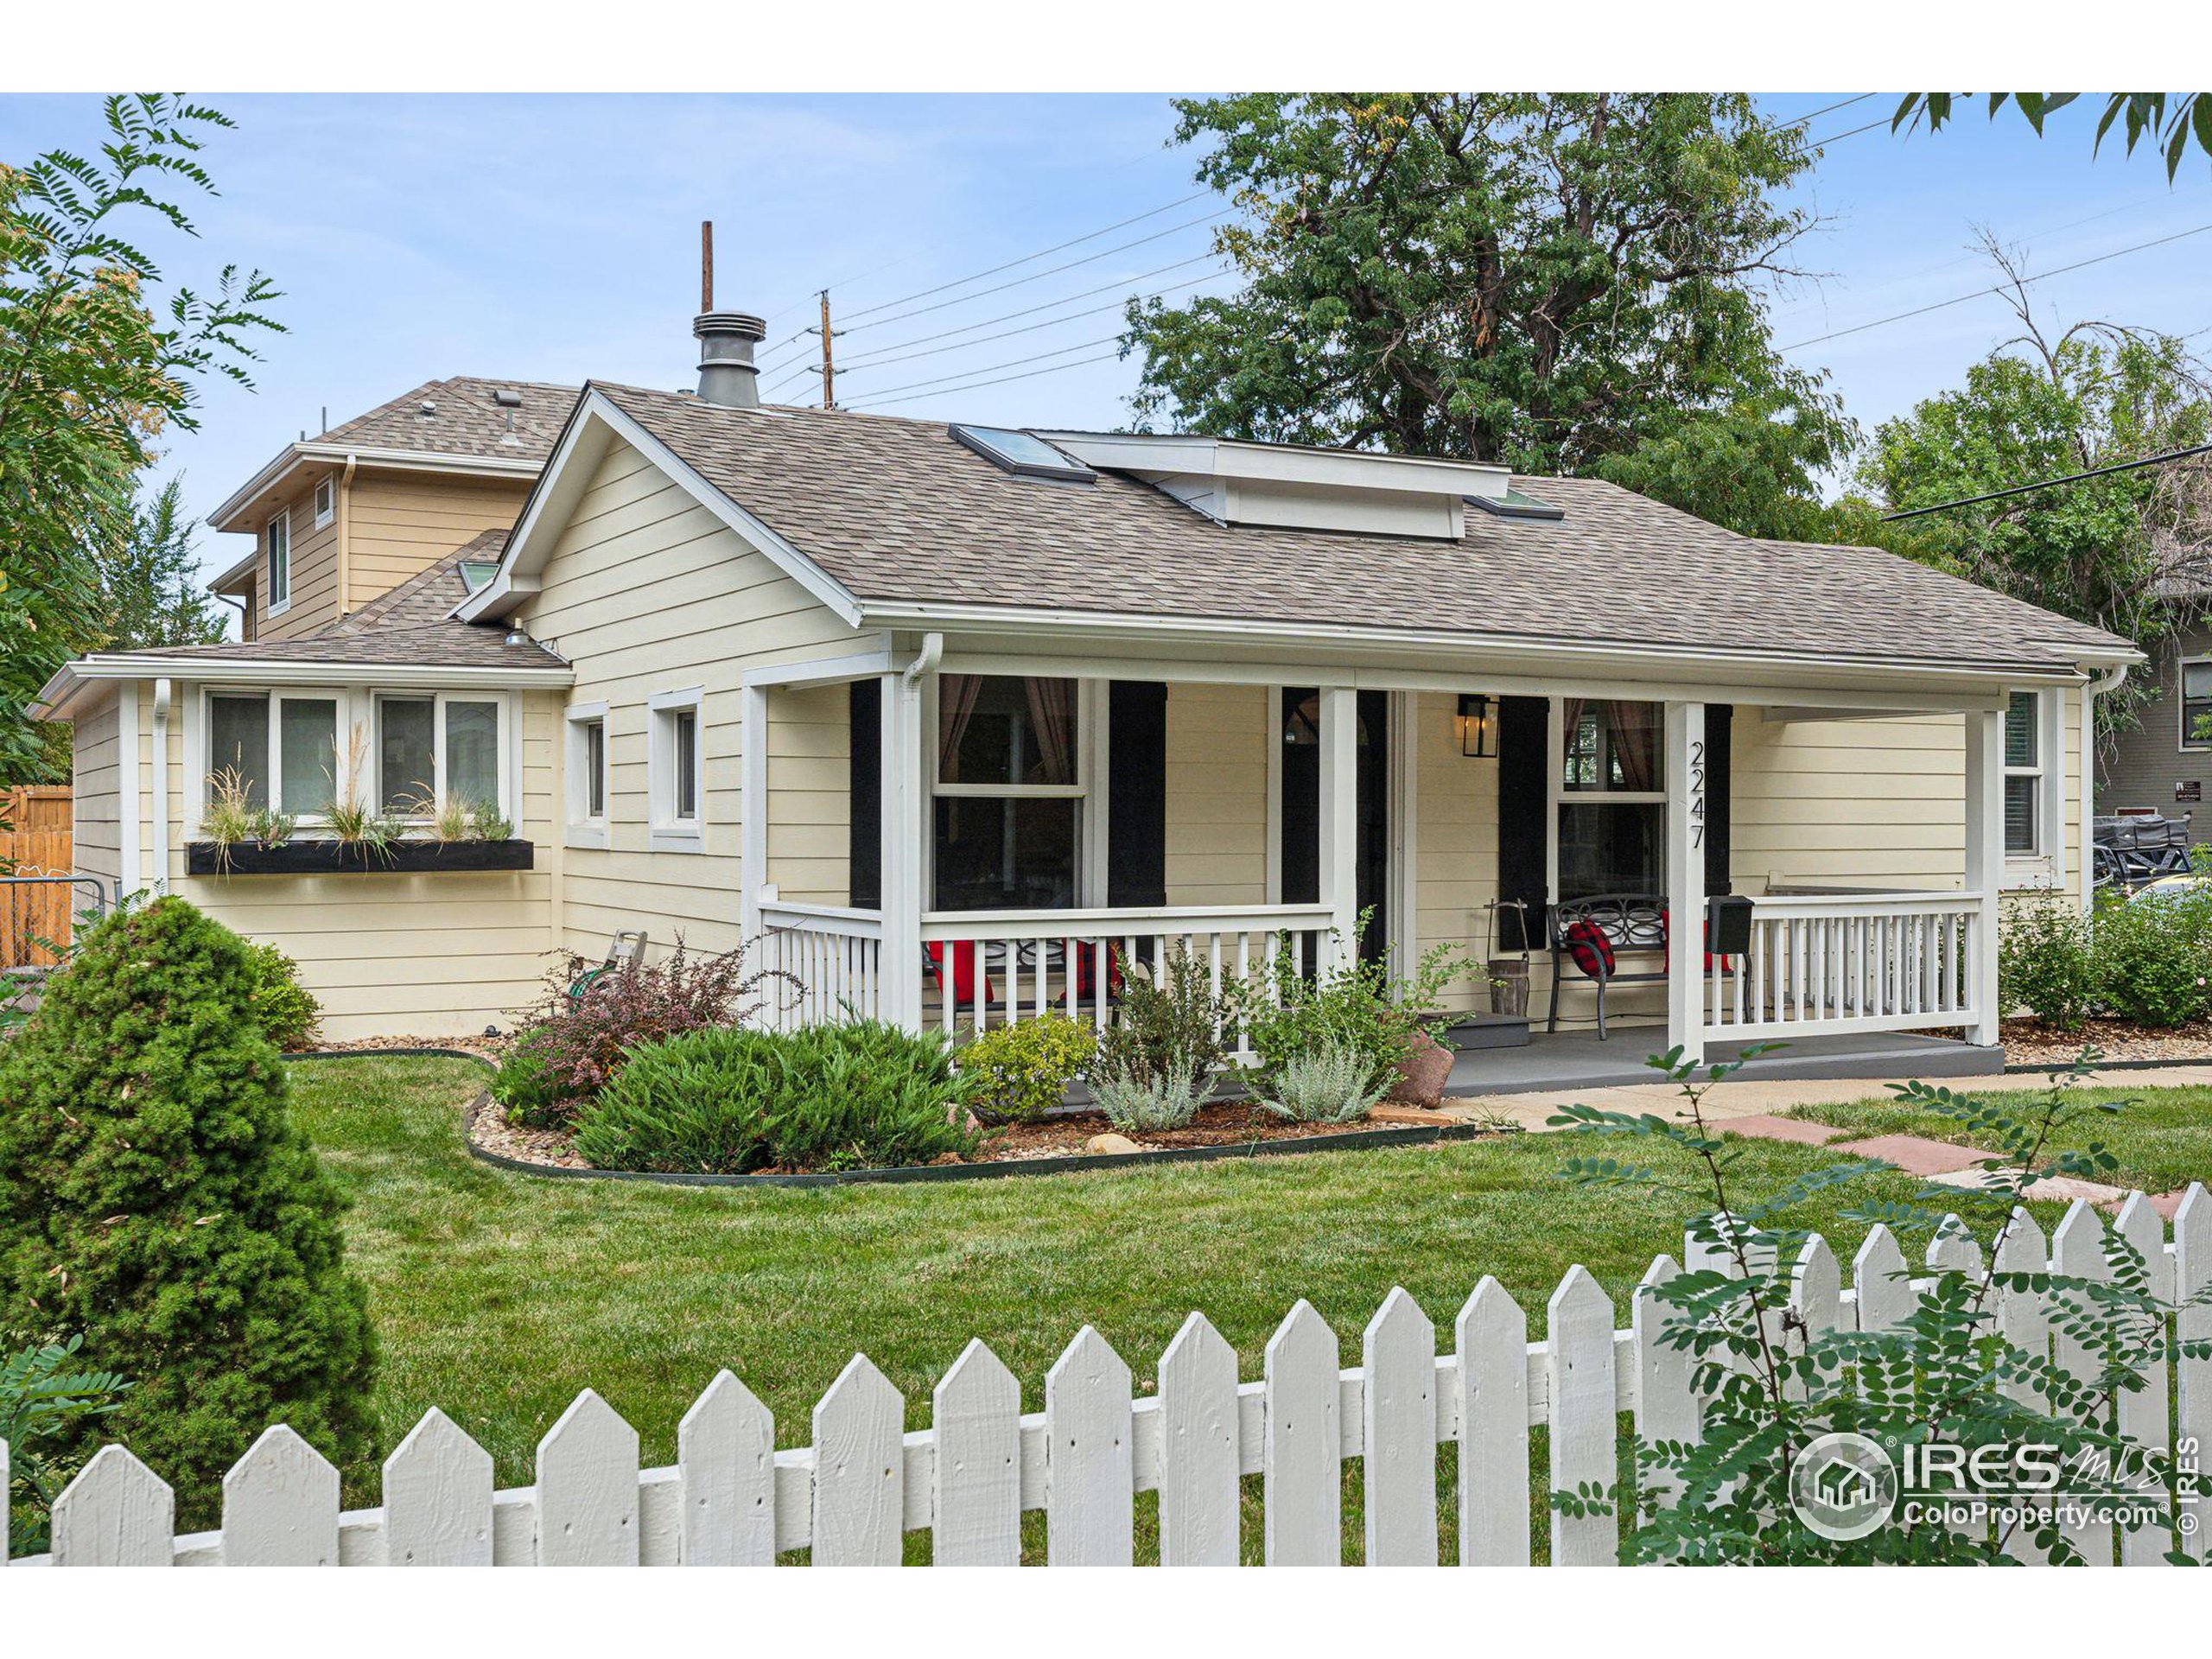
(1984, 863)
(827, 670)
(666, 832)
(580, 827)
(2085, 808)
(250, 671)
(1683, 761)
(2183, 745)
(1339, 860)
(1403, 864)
(595, 405)
(752, 809)
(1271, 723)
(277, 606)
(508, 801)
(293, 456)
(1094, 704)
(325, 516)
(127, 770)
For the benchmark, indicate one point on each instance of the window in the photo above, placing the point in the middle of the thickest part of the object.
(676, 763)
(279, 539)
(442, 748)
(2196, 705)
(586, 769)
(1008, 787)
(325, 501)
(1613, 811)
(2023, 746)
(1023, 454)
(281, 747)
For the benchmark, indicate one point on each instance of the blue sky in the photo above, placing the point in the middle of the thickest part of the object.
(555, 237)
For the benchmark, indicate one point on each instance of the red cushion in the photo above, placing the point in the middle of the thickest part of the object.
(1591, 951)
(1666, 932)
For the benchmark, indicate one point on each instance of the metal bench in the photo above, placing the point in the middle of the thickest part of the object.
(1631, 922)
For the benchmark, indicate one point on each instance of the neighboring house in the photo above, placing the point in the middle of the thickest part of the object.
(339, 518)
(2163, 763)
(957, 714)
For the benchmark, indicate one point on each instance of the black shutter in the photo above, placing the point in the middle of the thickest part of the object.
(1135, 792)
(867, 787)
(1719, 741)
(1523, 796)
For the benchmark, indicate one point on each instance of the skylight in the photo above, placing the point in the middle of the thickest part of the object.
(1513, 505)
(1023, 454)
(475, 573)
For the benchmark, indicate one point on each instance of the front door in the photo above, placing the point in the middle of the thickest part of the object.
(1300, 850)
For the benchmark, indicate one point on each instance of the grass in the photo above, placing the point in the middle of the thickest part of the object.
(498, 1296)
(2162, 1140)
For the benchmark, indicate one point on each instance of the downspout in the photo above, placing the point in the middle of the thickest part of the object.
(925, 659)
(344, 538)
(161, 689)
(2098, 685)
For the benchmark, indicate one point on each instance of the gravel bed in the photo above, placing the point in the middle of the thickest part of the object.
(2028, 1042)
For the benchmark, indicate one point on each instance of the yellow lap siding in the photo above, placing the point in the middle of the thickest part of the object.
(1217, 807)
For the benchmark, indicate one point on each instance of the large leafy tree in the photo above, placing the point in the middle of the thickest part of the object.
(2119, 551)
(2168, 120)
(93, 366)
(1562, 283)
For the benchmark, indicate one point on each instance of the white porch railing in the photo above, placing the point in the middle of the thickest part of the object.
(835, 954)
(1837, 963)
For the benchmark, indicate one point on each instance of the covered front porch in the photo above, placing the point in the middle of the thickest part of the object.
(958, 834)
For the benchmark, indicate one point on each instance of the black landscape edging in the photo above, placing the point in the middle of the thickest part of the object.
(2028, 1067)
(208, 858)
(1072, 1163)
(419, 1052)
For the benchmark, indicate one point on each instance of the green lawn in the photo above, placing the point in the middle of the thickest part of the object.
(2163, 1138)
(497, 1295)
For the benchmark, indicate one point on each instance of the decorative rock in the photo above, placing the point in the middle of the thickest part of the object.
(1110, 1143)
(1422, 1073)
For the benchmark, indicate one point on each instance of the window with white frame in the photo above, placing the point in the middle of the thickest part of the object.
(434, 748)
(1612, 809)
(325, 501)
(676, 770)
(278, 539)
(1009, 781)
(278, 749)
(2025, 761)
(2196, 704)
(587, 774)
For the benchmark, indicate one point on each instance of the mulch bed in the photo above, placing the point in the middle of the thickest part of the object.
(2029, 1042)
(1225, 1123)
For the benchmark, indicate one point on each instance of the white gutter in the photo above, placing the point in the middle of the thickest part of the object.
(233, 670)
(160, 785)
(126, 787)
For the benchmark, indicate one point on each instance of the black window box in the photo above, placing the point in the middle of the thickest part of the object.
(336, 858)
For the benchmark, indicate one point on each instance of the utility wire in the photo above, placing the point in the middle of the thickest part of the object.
(1815, 143)
(879, 357)
(1824, 108)
(2048, 483)
(1028, 374)
(1011, 363)
(1961, 299)
(1073, 241)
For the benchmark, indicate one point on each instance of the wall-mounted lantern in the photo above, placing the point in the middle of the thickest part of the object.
(1478, 726)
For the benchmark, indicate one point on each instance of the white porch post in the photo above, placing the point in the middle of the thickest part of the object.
(1339, 849)
(1985, 864)
(752, 809)
(900, 964)
(1683, 766)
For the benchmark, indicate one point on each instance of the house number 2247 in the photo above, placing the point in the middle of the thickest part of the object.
(1697, 793)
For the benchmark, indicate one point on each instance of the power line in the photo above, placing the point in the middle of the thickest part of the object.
(1011, 363)
(879, 357)
(1824, 108)
(1073, 241)
(1961, 299)
(2048, 483)
(1816, 144)
(1028, 374)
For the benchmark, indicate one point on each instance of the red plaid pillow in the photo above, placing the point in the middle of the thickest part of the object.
(1591, 951)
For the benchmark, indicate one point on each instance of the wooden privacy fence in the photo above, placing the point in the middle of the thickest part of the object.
(865, 1481)
(34, 841)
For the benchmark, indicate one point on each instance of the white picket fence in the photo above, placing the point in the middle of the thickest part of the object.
(850, 1496)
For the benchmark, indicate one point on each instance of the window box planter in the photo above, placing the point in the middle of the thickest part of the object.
(305, 857)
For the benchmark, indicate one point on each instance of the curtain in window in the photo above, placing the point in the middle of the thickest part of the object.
(1052, 717)
(1633, 745)
(956, 695)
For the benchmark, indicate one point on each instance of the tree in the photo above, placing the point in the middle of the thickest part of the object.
(1560, 284)
(2116, 551)
(2169, 120)
(91, 373)
(149, 592)
(155, 1196)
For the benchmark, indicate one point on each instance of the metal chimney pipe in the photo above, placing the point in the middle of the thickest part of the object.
(728, 374)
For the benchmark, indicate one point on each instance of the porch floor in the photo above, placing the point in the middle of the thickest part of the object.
(1576, 1059)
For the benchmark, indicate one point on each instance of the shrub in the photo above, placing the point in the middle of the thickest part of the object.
(2153, 956)
(1022, 1072)
(155, 1196)
(287, 1009)
(1357, 1007)
(578, 1043)
(1169, 1101)
(2045, 961)
(524, 1090)
(1335, 1082)
(1169, 1024)
(727, 1102)
(46, 1395)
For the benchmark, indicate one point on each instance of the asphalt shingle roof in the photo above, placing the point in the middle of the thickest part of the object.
(464, 419)
(896, 510)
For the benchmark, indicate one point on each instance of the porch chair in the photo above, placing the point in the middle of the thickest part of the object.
(1593, 934)
(964, 986)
